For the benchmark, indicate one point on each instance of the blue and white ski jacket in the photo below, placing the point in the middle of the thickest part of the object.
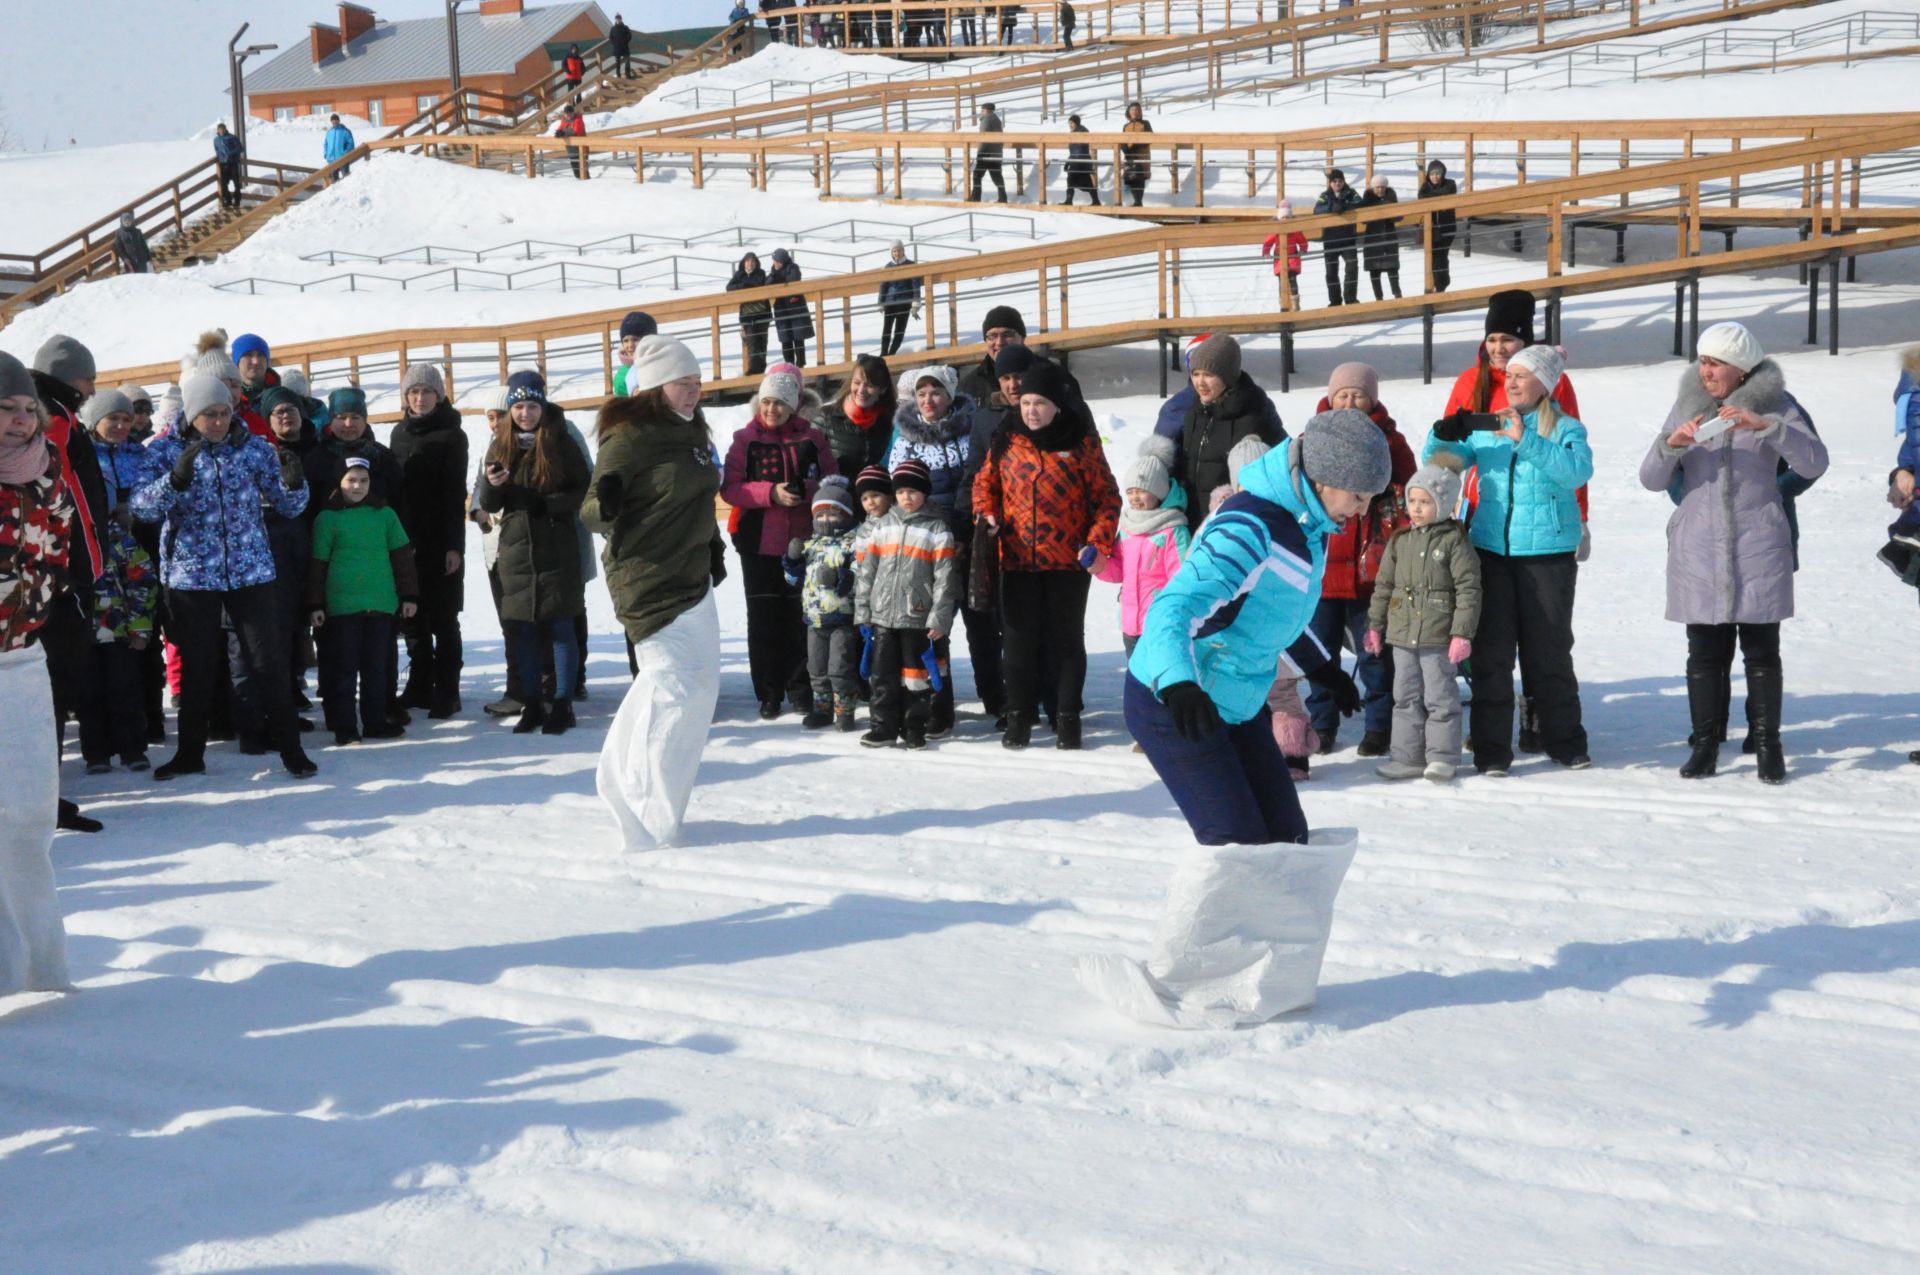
(1244, 594)
(214, 534)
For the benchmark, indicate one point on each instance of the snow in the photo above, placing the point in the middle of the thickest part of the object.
(421, 1013)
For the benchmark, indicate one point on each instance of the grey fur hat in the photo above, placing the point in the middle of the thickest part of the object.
(1343, 448)
(64, 359)
(1442, 484)
(424, 376)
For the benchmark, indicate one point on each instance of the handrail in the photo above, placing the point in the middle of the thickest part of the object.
(959, 94)
(888, 25)
(1824, 176)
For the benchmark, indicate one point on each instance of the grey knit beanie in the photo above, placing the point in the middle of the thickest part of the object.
(423, 376)
(1218, 354)
(1148, 474)
(137, 394)
(1242, 454)
(1343, 448)
(15, 380)
(201, 391)
(64, 359)
(1442, 484)
(102, 404)
(215, 363)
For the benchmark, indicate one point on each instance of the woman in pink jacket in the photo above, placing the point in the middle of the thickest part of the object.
(772, 471)
(1153, 540)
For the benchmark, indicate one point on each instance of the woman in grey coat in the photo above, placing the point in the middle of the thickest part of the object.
(1729, 548)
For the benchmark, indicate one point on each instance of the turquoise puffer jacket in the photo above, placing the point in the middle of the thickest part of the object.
(1244, 595)
(1527, 507)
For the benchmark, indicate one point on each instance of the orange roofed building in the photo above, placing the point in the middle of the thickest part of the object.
(388, 72)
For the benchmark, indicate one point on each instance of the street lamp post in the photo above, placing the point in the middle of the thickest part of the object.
(236, 56)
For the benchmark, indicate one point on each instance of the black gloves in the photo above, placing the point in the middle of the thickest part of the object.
(182, 477)
(796, 550)
(1333, 679)
(293, 476)
(608, 491)
(1194, 715)
(1453, 429)
(717, 561)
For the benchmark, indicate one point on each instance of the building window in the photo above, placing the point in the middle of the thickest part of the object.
(283, 115)
(377, 112)
(426, 102)
(323, 109)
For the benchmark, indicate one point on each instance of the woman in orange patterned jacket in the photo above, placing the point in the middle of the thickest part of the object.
(36, 528)
(1049, 495)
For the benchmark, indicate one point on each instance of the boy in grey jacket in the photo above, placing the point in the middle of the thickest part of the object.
(905, 592)
(1426, 605)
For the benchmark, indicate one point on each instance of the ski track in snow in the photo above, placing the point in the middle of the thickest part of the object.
(421, 1013)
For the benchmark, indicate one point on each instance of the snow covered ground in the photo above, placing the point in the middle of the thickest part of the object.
(422, 1014)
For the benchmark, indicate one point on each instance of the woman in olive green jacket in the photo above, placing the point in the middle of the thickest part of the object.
(652, 497)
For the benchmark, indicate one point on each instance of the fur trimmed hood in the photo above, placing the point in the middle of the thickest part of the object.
(1763, 393)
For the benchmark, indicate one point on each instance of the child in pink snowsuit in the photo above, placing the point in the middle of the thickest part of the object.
(1292, 728)
(1153, 540)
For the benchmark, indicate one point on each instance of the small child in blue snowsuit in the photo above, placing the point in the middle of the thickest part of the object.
(822, 565)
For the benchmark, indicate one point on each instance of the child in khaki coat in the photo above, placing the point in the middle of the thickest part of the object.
(1426, 605)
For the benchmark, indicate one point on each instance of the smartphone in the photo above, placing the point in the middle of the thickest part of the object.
(1712, 428)
(1489, 421)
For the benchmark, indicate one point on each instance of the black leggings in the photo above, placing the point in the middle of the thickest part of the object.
(1710, 646)
(1044, 610)
(776, 631)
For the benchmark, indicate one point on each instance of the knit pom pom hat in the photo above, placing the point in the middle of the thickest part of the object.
(1149, 475)
(911, 475)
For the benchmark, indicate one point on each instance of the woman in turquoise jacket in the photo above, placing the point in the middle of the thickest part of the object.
(1527, 529)
(1196, 695)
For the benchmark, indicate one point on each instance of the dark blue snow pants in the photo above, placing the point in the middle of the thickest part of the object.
(1233, 787)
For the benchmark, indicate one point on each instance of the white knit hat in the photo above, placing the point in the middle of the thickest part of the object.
(937, 372)
(491, 399)
(292, 378)
(1731, 344)
(1544, 363)
(657, 360)
(784, 383)
(214, 363)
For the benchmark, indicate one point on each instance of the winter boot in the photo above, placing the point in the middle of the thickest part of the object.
(1019, 731)
(1066, 732)
(505, 706)
(70, 819)
(1441, 772)
(1374, 743)
(532, 717)
(560, 718)
(1709, 724)
(843, 715)
(817, 719)
(1398, 770)
(879, 737)
(297, 763)
(181, 764)
(1328, 740)
(345, 738)
(1763, 711)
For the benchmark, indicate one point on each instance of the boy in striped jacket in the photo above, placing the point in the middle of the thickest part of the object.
(905, 592)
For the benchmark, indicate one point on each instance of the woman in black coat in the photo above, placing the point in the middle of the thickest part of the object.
(790, 314)
(859, 422)
(1437, 185)
(430, 447)
(1380, 248)
(755, 316)
(1228, 406)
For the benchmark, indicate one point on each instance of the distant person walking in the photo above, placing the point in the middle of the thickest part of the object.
(229, 156)
(1080, 167)
(755, 316)
(337, 146)
(1437, 185)
(620, 41)
(573, 124)
(1337, 242)
(1136, 160)
(986, 156)
(1068, 20)
(574, 67)
(130, 248)
(790, 314)
(898, 299)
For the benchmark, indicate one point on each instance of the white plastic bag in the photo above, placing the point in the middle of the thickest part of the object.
(652, 751)
(33, 940)
(1240, 939)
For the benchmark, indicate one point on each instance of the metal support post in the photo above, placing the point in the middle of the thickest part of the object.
(1426, 345)
(1813, 305)
(1833, 305)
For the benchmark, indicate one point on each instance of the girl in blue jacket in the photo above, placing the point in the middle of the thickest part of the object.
(1527, 529)
(1196, 696)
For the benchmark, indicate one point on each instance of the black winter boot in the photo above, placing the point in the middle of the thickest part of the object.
(1066, 731)
(560, 718)
(1709, 724)
(1019, 731)
(1763, 712)
(1529, 727)
(532, 717)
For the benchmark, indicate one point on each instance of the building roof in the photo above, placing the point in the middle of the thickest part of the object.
(416, 49)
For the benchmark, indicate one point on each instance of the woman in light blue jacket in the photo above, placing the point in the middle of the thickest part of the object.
(1527, 529)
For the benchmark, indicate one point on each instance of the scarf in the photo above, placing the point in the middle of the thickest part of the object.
(523, 440)
(864, 417)
(1149, 522)
(24, 464)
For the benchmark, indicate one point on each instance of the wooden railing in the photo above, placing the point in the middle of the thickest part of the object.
(1846, 194)
(164, 211)
(954, 101)
(937, 27)
(880, 165)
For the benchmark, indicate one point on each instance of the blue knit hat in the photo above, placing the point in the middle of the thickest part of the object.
(637, 324)
(526, 387)
(247, 343)
(347, 399)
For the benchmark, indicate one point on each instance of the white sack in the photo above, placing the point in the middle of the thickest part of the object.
(652, 753)
(33, 942)
(1240, 938)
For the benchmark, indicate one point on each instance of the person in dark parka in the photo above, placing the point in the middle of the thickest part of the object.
(1437, 185)
(859, 422)
(1337, 242)
(790, 313)
(1381, 239)
(1228, 407)
(430, 447)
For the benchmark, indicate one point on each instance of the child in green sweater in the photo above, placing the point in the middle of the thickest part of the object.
(363, 574)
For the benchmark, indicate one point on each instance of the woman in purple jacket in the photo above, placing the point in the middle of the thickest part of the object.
(1729, 546)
